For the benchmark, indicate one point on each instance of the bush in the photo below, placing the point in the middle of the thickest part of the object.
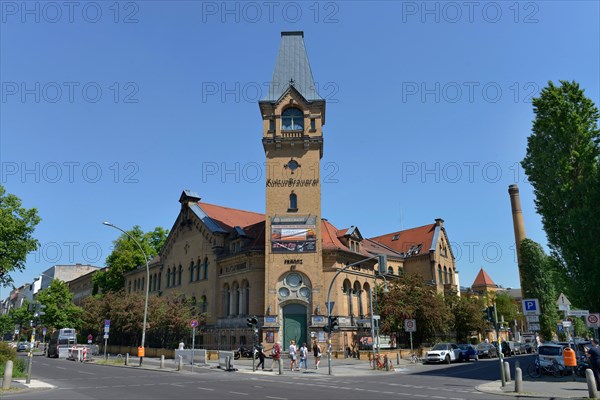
(8, 353)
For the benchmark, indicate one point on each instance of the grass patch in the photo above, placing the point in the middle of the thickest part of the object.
(110, 361)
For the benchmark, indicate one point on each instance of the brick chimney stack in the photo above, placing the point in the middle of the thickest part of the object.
(518, 224)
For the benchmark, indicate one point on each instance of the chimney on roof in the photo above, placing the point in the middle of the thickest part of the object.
(518, 224)
(439, 222)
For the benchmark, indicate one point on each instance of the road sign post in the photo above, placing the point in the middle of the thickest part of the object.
(106, 329)
(410, 326)
(565, 305)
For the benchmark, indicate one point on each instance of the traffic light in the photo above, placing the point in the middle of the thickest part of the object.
(487, 314)
(252, 322)
(333, 324)
(382, 263)
(38, 309)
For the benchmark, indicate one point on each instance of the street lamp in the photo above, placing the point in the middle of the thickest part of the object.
(382, 260)
(147, 286)
(376, 333)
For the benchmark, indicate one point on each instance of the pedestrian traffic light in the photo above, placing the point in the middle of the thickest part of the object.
(333, 324)
(252, 322)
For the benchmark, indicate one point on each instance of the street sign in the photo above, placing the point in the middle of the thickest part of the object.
(562, 300)
(578, 313)
(593, 321)
(363, 321)
(193, 323)
(410, 325)
(534, 327)
(106, 325)
(106, 336)
(563, 307)
(375, 316)
(566, 324)
(531, 307)
(533, 318)
(90, 337)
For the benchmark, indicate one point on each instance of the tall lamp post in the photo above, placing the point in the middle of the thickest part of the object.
(382, 261)
(147, 287)
(385, 290)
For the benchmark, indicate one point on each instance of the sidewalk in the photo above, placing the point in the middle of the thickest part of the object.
(556, 389)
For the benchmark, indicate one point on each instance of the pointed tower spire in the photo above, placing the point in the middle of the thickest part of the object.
(292, 69)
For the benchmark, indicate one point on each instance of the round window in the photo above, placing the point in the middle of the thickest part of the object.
(293, 280)
(284, 292)
(305, 292)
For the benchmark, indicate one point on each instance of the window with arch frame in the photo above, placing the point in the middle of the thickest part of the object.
(292, 119)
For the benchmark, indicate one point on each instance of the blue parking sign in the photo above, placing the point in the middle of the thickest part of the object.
(531, 307)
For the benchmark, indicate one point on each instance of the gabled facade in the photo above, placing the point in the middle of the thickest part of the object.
(278, 266)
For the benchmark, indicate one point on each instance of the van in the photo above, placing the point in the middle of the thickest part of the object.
(547, 353)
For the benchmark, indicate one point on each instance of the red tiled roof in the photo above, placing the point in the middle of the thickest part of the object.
(229, 218)
(406, 239)
(330, 238)
(483, 279)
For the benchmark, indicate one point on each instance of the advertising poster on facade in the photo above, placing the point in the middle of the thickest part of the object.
(294, 234)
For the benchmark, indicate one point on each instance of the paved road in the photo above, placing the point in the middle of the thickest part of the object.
(74, 380)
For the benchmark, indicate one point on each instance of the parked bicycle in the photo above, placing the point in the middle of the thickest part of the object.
(538, 369)
(414, 359)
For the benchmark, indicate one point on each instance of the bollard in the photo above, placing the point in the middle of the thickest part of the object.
(162, 361)
(591, 384)
(280, 366)
(385, 360)
(8, 372)
(517, 365)
(227, 365)
(518, 380)
(127, 359)
(507, 371)
(397, 358)
(180, 364)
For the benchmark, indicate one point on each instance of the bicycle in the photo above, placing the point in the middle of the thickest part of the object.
(536, 369)
(414, 359)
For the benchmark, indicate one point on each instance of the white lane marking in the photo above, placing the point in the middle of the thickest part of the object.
(276, 398)
(60, 367)
(87, 373)
(203, 388)
(245, 394)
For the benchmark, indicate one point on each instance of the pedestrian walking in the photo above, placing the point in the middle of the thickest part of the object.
(593, 354)
(317, 353)
(261, 356)
(293, 355)
(303, 353)
(276, 354)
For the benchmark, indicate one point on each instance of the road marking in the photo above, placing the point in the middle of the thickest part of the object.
(87, 373)
(60, 367)
(276, 398)
(203, 388)
(245, 394)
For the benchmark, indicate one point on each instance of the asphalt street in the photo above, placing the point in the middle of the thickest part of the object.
(73, 380)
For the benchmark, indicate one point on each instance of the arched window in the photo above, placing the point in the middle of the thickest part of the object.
(445, 275)
(440, 276)
(150, 283)
(143, 287)
(347, 288)
(192, 271)
(198, 270)
(356, 292)
(180, 274)
(235, 292)
(203, 304)
(205, 267)
(159, 279)
(292, 119)
(129, 287)
(367, 291)
(451, 275)
(293, 201)
(226, 300)
(245, 298)
(390, 271)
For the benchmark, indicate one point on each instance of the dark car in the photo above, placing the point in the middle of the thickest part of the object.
(505, 348)
(486, 350)
(467, 352)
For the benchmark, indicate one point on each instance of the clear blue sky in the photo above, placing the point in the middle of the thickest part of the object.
(108, 113)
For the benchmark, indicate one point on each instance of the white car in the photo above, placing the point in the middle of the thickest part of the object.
(443, 352)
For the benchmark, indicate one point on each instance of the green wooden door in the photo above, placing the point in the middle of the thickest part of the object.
(294, 325)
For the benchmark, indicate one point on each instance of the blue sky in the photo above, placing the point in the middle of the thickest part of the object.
(109, 110)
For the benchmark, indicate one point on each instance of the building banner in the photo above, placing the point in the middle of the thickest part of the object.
(293, 234)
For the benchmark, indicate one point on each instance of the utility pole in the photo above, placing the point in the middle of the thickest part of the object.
(500, 354)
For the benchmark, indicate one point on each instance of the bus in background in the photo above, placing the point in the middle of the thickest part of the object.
(60, 342)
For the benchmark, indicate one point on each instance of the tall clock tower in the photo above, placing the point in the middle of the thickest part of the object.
(293, 115)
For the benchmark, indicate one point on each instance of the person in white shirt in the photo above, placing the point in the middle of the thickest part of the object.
(292, 352)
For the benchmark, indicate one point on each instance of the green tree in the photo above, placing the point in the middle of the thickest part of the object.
(60, 310)
(467, 316)
(411, 298)
(562, 164)
(16, 235)
(507, 308)
(126, 256)
(6, 325)
(22, 317)
(536, 278)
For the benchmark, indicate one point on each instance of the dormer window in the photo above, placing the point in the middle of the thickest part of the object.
(292, 119)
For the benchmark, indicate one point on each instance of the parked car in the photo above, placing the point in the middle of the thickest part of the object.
(547, 353)
(467, 352)
(443, 352)
(486, 350)
(23, 346)
(528, 347)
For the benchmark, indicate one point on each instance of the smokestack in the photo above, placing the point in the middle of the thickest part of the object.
(519, 226)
